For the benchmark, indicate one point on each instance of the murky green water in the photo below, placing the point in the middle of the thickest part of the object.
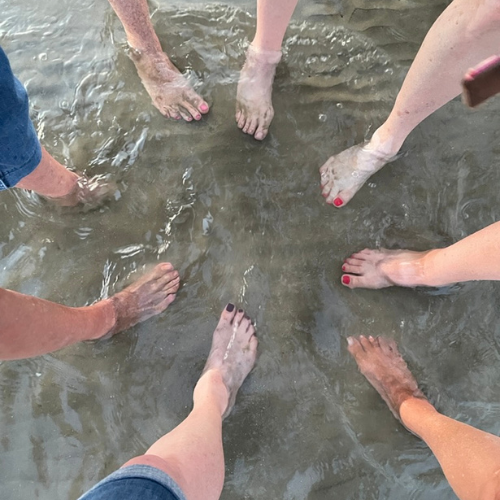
(243, 221)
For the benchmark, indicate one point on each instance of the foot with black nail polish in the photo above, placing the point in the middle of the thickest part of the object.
(233, 352)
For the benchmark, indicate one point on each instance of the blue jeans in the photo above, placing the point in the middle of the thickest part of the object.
(136, 482)
(20, 150)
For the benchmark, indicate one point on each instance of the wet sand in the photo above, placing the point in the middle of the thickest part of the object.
(243, 221)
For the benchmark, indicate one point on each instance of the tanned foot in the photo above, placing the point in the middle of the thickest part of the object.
(383, 268)
(148, 296)
(89, 192)
(343, 175)
(254, 107)
(379, 361)
(233, 352)
(171, 93)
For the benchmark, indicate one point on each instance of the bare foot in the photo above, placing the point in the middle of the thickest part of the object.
(379, 361)
(383, 268)
(233, 352)
(254, 107)
(90, 192)
(343, 175)
(148, 296)
(170, 92)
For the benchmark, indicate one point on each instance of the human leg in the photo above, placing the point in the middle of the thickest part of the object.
(473, 258)
(254, 108)
(470, 458)
(466, 33)
(30, 326)
(192, 453)
(24, 163)
(170, 92)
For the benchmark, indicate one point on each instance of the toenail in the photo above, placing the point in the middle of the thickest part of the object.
(338, 202)
(343, 268)
(240, 310)
(198, 117)
(204, 107)
(230, 307)
(346, 280)
(350, 341)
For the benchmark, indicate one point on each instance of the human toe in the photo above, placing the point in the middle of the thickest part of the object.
(239, 317)
(250, 126)
(186, 116)
(242, 120)
(192, 111)
(228, 314)
(365, 342)
(352, 281)
(354, 346)
(351, 268)
(261, 134)
(172, 286)
(202, 106)
(344, 197)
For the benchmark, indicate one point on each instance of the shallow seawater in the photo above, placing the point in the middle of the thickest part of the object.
(243, 221)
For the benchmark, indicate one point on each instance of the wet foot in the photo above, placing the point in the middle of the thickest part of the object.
(381, 363)
(233, 352)
(383, 268)
(148, 296)
(171, 93)
(254, 107)
(343, 175)
(90, 192)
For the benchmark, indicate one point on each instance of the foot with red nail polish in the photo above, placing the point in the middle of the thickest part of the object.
(383, 268)
(169, 90)
(343, 175)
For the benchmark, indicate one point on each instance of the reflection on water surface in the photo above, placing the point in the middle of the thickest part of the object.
(243, 221)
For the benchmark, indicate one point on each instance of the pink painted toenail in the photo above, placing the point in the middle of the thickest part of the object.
(198, 117)
(204, 107)
(346, 280)
(343, 268)
(338, 202)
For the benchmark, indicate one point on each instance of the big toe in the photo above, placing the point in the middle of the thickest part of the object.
(354, 347)
(228, 314)
(353, 281)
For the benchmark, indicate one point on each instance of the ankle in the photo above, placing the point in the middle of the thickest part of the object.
(211, 388)
(101, 320)
(413, 412)
(384, 144)
(259, 55)
(409, 269)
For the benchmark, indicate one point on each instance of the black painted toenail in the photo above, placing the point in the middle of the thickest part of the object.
(230, 307)
(240, 310)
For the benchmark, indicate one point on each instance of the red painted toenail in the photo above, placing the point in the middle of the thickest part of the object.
(346, 280)
(338, 202)
(343, 268)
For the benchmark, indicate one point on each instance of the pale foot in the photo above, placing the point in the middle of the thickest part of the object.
(148, 296)
(254, 107)
(379, 361)
(344, 174)
(383, 268)
(89, 192)
(171, 93)
(233, 352)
